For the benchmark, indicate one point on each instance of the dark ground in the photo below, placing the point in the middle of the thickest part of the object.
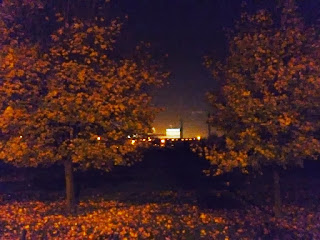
(164, 170)
(169, 185)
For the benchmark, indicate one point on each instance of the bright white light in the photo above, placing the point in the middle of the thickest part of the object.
(133, 142)
(98, 138)
(173, 132)
(129, 136)
(20, 136)
(173, 129)
(198, 138)
(163, 140)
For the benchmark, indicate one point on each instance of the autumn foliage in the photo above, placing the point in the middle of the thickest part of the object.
(103, 219)
(268, 101)
(269, 93)
(69, 97)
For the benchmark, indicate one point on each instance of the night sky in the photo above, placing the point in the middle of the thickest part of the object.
(187, 30)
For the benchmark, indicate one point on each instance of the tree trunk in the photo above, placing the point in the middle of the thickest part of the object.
(296, 187)
(277, 194)
(70, 197)
(23, 234)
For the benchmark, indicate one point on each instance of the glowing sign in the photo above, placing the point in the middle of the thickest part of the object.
(173, 132)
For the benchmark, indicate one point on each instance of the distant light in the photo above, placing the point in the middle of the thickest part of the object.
(98, 138)
(144, 140)
(163, 140)
(173, 132)
(129, 136)
(198, 138)
(190, 139)
(133, 142)
(173, 129)
(172, 139)
(20, 136)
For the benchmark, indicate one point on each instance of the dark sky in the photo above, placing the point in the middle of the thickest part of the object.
(187, 30)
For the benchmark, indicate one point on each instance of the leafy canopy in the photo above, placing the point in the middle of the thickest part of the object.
(75, 99)
(269, 94)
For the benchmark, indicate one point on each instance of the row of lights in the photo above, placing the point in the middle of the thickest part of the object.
(181, 139)
(132, 141)
(162, 140)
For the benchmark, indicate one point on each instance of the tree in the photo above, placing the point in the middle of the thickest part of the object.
(21, 73)
(268, 95)
(89, 100)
